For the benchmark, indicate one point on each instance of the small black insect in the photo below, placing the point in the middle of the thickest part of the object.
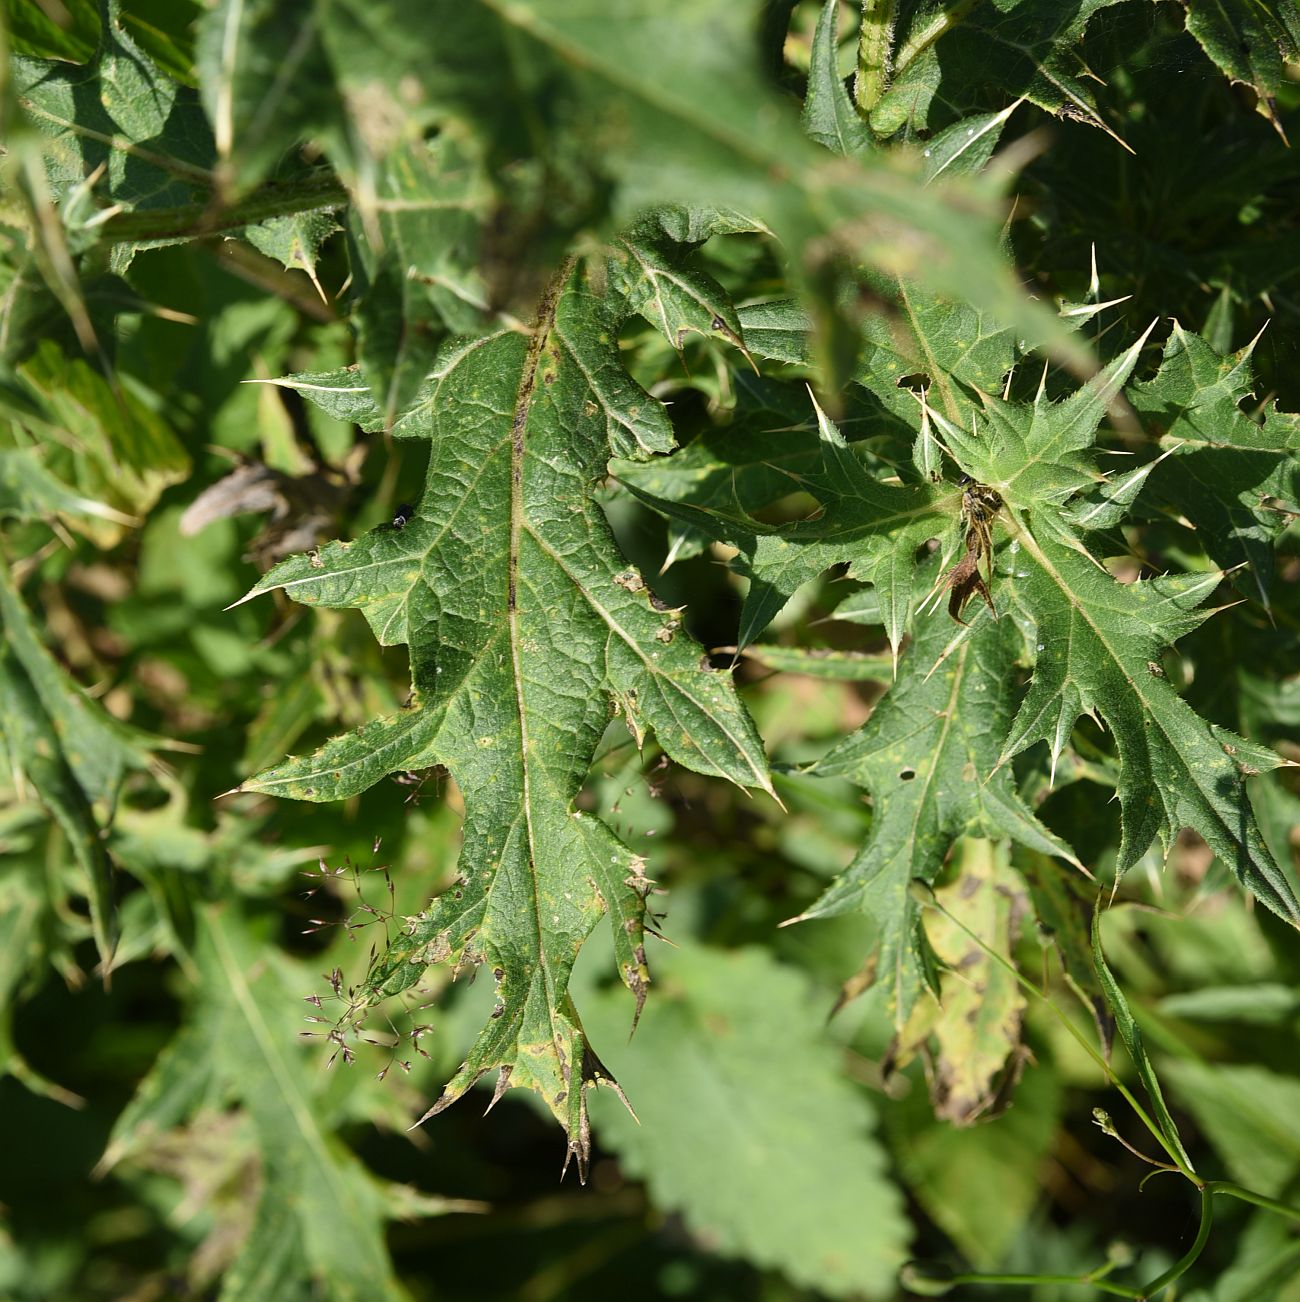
(403, 513)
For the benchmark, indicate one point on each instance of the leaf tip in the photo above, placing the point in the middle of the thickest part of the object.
(248, 596)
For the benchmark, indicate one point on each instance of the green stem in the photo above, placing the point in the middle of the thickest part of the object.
(193, 221)
(1160, 1283)
(1091, 1280)
(1079, 1037)
(1185, 1263)
(1250, 1196)
(874, 39)
(942, 22)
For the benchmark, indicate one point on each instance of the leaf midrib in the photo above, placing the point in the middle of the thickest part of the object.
(518, 431)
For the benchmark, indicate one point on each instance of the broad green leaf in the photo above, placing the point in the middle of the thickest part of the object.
(1232, 477)
(973, 1024)
(1131, 1034)
(979, 1185)
(1251, 41)
(33, 30)
(523, 626)
(1248, 1113)
(780, 1168)
(74, 755)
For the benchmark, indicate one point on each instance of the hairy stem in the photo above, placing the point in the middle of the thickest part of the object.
(874, 40)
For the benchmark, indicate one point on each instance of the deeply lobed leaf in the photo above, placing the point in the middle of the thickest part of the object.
(523, 627)
(929, 758)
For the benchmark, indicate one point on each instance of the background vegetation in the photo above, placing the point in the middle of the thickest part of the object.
(245, 251)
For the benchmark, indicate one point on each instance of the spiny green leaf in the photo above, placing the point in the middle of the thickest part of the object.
(929, 758)
(342, 393)
(1251, 41)
(1098, 641)
(674, 296)
(879, 525)
(295, 240)
(1038, 453)
(965, 148)
(522, 625)
(767, 450)
(1098, 652)
(953, 59)
(1233, 477)
(781, 1169)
